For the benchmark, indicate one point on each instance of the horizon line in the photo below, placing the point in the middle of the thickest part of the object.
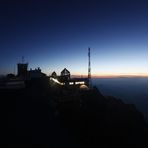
(113, 76)
(105, 75)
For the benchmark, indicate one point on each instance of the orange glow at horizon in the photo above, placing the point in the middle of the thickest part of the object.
(112, 75)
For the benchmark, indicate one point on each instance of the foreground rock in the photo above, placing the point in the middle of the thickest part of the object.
(104, 121)
(61, 117)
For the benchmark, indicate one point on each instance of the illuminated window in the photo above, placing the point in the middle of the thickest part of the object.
(71, 83)
(79, 82)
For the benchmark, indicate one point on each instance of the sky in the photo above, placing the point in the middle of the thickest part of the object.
(56, 34)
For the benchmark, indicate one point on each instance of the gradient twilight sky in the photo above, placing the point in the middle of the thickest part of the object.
(54, 34)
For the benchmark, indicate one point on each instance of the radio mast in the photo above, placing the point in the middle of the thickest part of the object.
(89, 69)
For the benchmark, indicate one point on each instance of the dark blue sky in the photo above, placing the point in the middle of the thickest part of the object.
(53, 34)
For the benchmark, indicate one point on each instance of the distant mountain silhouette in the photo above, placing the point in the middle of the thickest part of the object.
(63, 117)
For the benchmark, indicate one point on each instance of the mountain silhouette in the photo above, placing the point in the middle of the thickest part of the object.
(61, 117)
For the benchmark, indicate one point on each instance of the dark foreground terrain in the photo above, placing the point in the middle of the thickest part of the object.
(50, 116)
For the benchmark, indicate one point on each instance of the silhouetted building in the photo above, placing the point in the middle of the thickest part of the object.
(65, 75)
(54, 75)
(22, 69)
(14, 84)
(36, 73)
(65, 80)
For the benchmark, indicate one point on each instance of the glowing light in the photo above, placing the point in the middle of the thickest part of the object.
(56, 81)
(71, 83)
(81, 82)
(83, 87)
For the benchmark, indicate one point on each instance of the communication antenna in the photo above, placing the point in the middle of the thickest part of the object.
(23, 59)
(89, 69)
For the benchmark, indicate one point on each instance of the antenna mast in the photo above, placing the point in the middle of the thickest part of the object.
(89, 69)
(23, 59)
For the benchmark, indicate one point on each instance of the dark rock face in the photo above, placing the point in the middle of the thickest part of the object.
(105, 121)
(69, 118)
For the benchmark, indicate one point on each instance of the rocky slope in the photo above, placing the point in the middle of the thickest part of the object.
(61, 117)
